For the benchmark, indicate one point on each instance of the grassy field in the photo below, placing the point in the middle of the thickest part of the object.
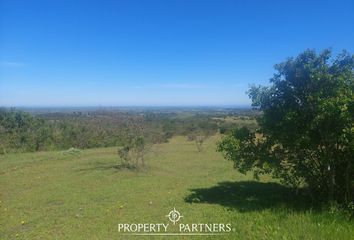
(82, 195)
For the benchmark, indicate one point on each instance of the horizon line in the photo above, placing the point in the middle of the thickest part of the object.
(128, 106)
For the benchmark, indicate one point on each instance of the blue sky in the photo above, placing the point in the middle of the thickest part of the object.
(159, 53)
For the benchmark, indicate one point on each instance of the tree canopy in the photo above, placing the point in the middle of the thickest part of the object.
(306, 131)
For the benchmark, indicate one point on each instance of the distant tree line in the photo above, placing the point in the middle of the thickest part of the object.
(28, 132)
(20, 131)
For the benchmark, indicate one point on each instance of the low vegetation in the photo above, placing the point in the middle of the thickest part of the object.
(46, 195)
(41, 131)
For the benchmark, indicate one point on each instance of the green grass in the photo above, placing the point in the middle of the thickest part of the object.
(82, 195)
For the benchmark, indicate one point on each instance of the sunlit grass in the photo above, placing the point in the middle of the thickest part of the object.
(52, 195)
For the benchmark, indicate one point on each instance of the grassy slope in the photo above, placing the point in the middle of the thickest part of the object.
(82, 196)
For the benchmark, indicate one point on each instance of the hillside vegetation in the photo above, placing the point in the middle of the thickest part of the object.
(83, 195)
(43, 130)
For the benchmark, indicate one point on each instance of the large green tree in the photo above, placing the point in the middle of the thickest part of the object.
(306, 131)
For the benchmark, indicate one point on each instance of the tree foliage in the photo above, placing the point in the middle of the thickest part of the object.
(133, 153)
(53, 129)
(306, 131)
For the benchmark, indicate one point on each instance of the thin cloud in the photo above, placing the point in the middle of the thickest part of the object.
(185, 86)
(11, 64)
(179, 86)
